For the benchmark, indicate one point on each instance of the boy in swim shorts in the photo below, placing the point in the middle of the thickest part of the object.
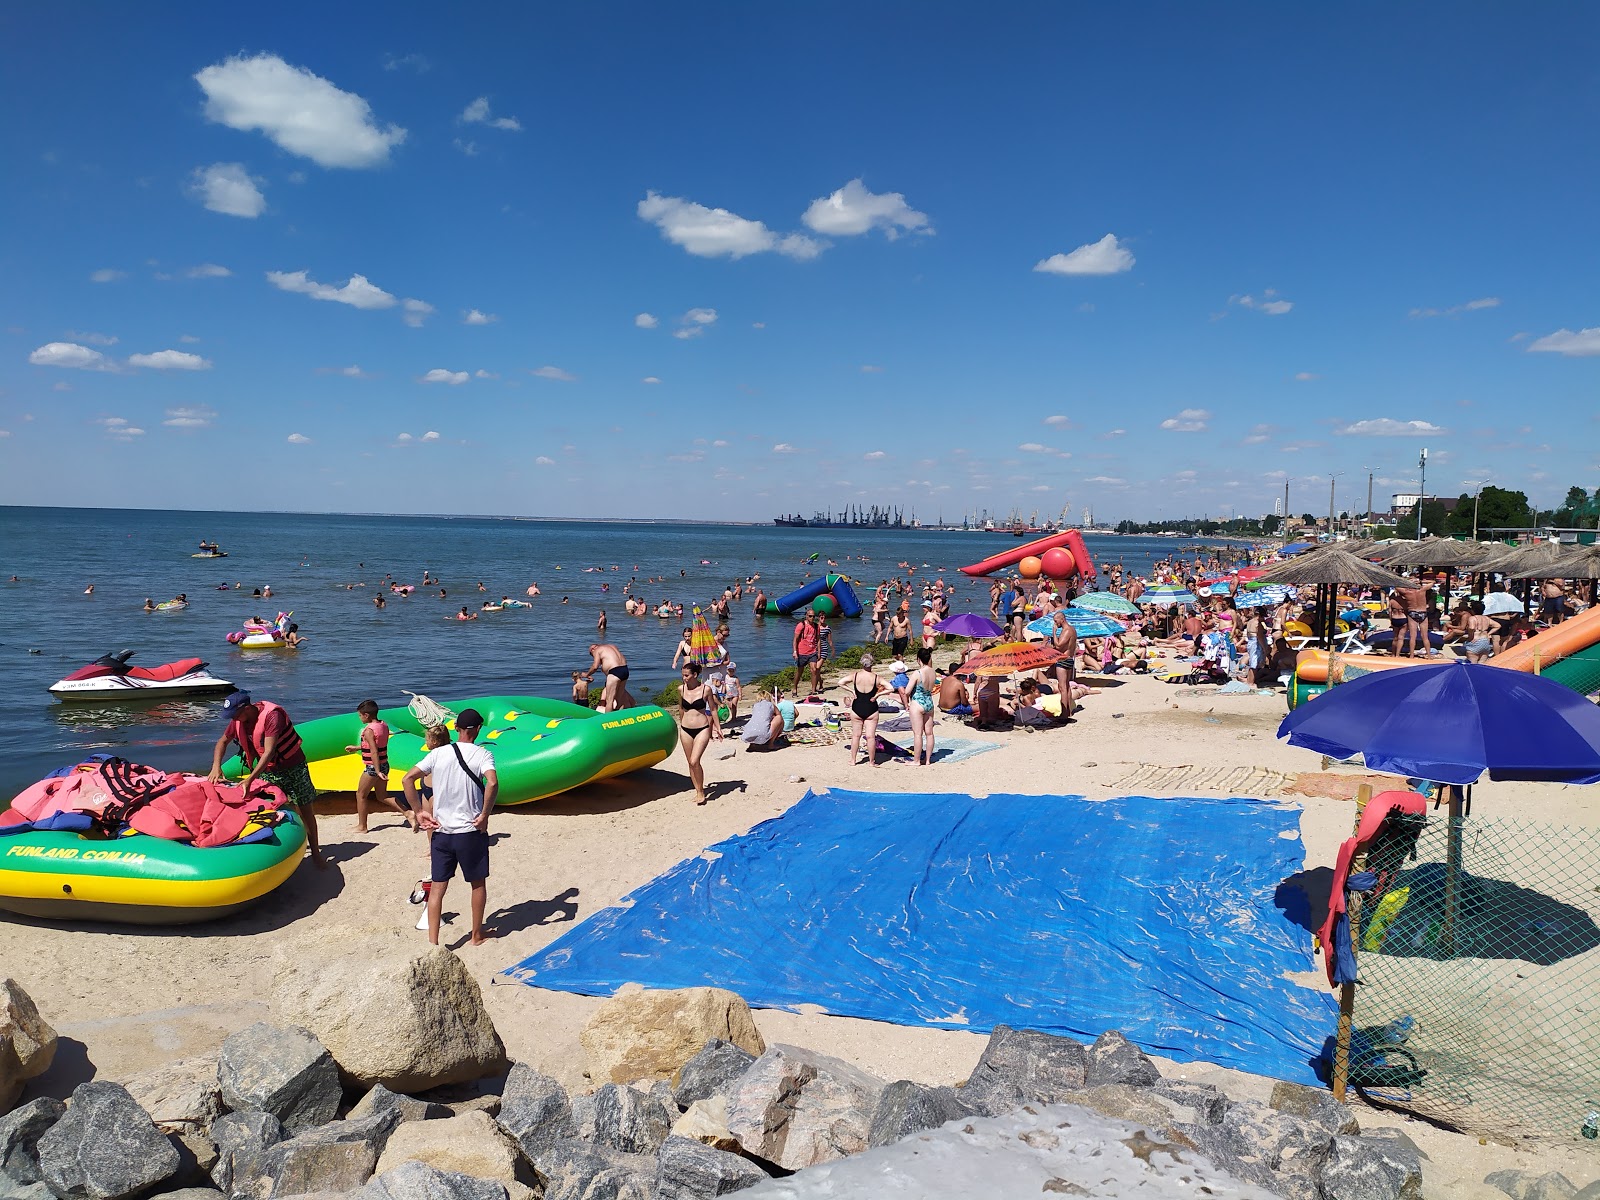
(373, 746)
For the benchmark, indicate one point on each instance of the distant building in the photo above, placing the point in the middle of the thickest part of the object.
(1403, 504)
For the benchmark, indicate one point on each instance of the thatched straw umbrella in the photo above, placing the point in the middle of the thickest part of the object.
(1542, 560)
(1326, 568)
(1433, 552)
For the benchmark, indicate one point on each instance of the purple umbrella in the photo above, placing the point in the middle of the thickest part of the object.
(969, 625)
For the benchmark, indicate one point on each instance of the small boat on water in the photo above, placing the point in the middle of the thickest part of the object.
(211, 554)
(109, 677)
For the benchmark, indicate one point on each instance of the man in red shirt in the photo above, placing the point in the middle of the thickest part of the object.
(807, 644)
(270, 749)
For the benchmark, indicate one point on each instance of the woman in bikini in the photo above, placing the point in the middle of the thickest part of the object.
(697, 724)
(924, 683)
(864, 687)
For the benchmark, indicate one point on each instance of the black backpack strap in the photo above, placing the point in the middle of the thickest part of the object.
(471, 774)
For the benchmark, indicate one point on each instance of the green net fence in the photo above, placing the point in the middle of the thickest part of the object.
(1481, 956)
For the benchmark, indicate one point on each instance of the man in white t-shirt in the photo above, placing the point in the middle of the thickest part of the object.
(457, 818)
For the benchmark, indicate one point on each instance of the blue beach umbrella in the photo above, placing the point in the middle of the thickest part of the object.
(1452, 722)
(1168, 593)
(1087, 624)
(1107, 602)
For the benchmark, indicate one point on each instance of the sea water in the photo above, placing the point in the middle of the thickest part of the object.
(326, 569)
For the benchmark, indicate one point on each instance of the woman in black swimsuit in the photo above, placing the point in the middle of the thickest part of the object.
(864, 686)
(697, 724)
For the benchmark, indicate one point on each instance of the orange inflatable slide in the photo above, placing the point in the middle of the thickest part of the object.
(1550, 647)
(1313, 666)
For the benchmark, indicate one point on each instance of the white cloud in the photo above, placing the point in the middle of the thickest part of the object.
(299, 439)
(783, 448)
(120, 428)
(1114, 433)
(719, 443)
(1257, 435)
(688, 331)
(300, 112)
(170, 360)
(1305, 376)
(107, 275)
(208, 271)
(1105, 257)
(1037, 448)
(874, 454)
(871, 369)
(853, 210)
(1389, 427)
(1583, 344)
(1190, 420)
(402, 437)
(416, 312)
(1111, 480)
(716, 232)
(646, 321)
(1040, 487)
(555, 373)
(188, 339)
(431, 436)
(359, 292)
(474, 317)
(758, 324)
(649, 379)
(480, 373)
(699, 316)
(70, 354)
(1457, 309)
(227, 188)
(440, 375)
(1058, 421)
(542, 461)
(470, 149)
(415, 62)
(94, 339)
(61, 386)
(477, 113)
(199, 416)
(350, 372)
(1270, 303)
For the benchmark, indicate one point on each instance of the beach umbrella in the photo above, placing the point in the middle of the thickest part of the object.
(1087, 624)
(969, 625)
(1326, 568)
(1009, 658)
(1107, 602)
(1542, 560)
(702, 642)
(1434, 552)
(1168, 593)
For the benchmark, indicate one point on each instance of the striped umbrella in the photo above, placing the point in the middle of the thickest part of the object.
(702, 642)
(1107, 602)
(1008, 658)
(1087, 624)
(1168, 593)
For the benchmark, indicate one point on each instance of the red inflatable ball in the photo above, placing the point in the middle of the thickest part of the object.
(1030, 567)
(826, 605)
(1058, 563)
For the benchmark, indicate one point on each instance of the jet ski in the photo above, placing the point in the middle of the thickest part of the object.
(109, 677)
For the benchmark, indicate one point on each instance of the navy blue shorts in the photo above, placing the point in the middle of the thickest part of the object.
(469, 851)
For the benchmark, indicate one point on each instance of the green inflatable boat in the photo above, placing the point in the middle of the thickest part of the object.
(541, 747)
(140, 879)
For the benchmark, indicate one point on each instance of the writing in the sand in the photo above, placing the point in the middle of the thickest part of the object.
(127, 856)
(635, 720)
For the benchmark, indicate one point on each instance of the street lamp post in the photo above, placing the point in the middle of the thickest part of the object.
(1422, 489)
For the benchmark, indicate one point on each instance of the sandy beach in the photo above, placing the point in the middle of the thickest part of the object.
(126, 998)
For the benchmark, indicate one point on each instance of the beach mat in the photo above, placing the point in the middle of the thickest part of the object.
(948, 750)
(1057, 913)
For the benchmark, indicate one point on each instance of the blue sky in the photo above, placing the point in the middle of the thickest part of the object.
(636, 260)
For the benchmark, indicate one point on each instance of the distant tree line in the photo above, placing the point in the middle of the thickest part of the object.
(1500, 508)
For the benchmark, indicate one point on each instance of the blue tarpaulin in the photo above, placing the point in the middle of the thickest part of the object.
(1057, 913)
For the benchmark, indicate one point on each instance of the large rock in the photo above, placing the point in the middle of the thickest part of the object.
(27, 1043)
(629, 1120)
(535, 1110)
(1531, 1185)
(1359, 1168)
(337, 1157)
(409, 1108)
(1114, 1059)
(1139, 1105)
(1022, 1066)
(1266, 1147)
(105, 1147)
(10, 1189)
(687, 1170)
(796, 1108)
(471, 1144)
(649, 1035)
(1209, 1104)
(390, 1010)
(710, 1072)
(181, 1097)
(574, 1170)
(1314, 1105)
(706, 1121)
(420, 1181)
(282, 1070)
(20, 1131)
(905, 1108)
(242, 1140)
